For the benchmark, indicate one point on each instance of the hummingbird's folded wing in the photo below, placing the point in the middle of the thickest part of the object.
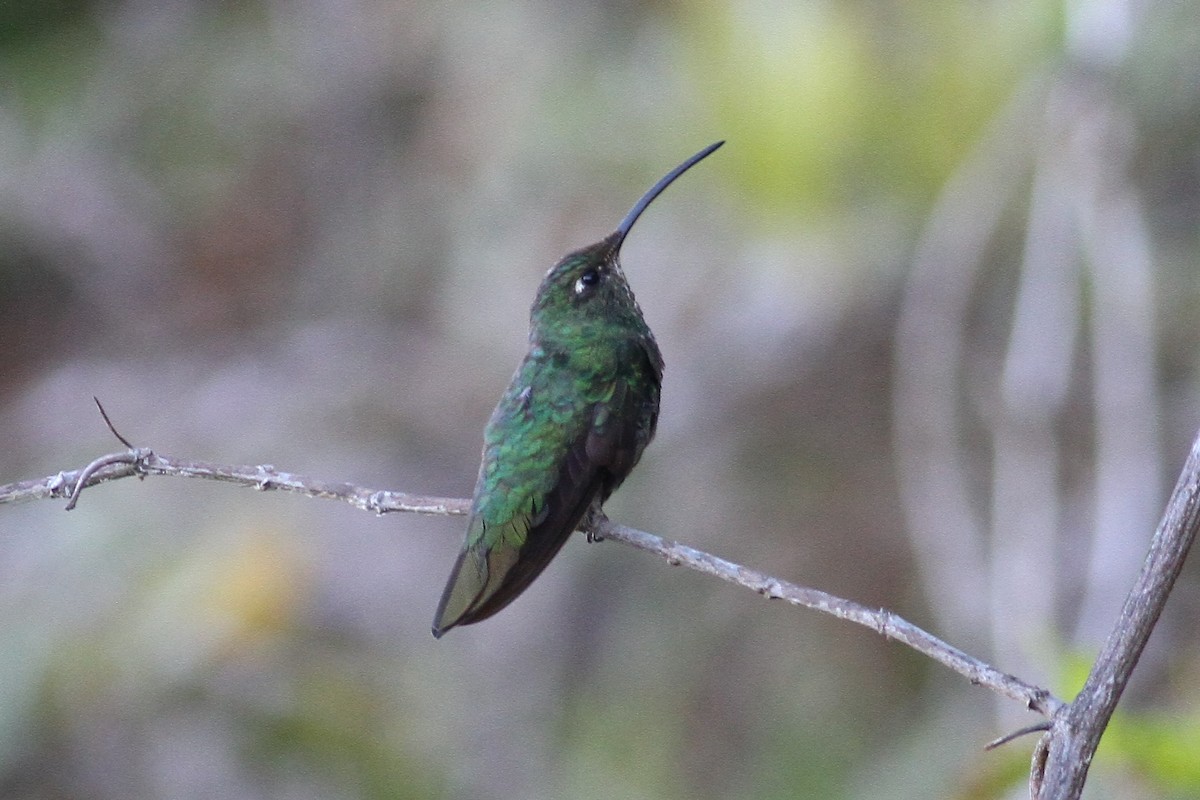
(523, 513)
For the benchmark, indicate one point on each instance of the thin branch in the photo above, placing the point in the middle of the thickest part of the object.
(132, 459)
(1037, 727)
(1076, 732)
(109, 423)
(142, 462)
(879, 620)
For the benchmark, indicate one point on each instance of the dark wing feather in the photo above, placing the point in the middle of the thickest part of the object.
(501, 583)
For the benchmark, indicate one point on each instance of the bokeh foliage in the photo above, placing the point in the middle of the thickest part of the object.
(308, 235)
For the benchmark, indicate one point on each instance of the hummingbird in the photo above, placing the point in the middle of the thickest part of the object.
(580, 409)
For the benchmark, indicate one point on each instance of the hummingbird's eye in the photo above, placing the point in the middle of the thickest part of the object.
(586, 281)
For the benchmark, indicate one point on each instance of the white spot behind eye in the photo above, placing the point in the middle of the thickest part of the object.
(580, 286)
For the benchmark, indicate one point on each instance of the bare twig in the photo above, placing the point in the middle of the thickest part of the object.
(109, 423)
(879, 620)
(142, 462)
(1075, 733)
(89, 474)
(264, 477)
(1017, 734)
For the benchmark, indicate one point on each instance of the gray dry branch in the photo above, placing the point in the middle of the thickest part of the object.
(1061, 763)
(141, 462)
(1062, 756)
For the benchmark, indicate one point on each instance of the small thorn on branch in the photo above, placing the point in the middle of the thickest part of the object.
(1003, 740)
(266, 477)
(375, 503)
(108, 422)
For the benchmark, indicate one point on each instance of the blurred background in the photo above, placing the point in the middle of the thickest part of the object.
(930, 323)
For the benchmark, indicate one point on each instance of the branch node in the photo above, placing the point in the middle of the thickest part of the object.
(266, 477)
(376, 503)
(886, 626)
(58, 485)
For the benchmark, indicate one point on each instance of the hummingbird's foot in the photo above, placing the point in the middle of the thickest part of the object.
(591, 521)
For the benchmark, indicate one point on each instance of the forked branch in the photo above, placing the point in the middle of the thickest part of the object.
(1067, 748)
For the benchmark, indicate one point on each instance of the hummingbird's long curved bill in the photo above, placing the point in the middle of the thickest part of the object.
(657, 189)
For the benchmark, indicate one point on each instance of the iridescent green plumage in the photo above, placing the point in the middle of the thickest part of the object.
(573, 422)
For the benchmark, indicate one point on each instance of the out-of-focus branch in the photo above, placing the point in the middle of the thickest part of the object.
(927, 419)
(1116, 252)
(1075, 733)
(141, 462)
(1026, 497)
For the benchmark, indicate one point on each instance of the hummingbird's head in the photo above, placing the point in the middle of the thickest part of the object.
(588, 285)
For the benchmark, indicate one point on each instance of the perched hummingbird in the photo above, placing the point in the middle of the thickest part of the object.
(580, 410)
